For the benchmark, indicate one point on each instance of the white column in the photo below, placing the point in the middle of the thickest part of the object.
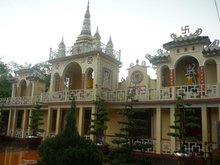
(204, 124)
(58, 120)
(9, 123)
(29, 121)
(14, 121)
(48, 126)
(81, 121)
(158, 130)
(13, 90)
(24, 121)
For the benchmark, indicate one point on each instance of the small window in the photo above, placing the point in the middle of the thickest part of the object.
(178, 50)
(185, 50)
(193, 48)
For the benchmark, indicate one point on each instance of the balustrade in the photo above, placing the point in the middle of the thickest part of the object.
(69, 51)
(150, 94)
(165, 146)
(149, 145)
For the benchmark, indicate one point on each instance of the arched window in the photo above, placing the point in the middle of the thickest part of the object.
(56, 82)
(23, 88)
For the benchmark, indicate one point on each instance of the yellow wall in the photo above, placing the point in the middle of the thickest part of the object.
(165, 117)
(113, 126)
(214, 119)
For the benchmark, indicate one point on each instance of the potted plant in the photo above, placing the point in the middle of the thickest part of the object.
(36, 120)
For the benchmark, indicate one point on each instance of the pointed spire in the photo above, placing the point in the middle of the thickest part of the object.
(62, 45)
(97, 35)
(87, 15)
(109, 47)
(86, 29)
(110, 44)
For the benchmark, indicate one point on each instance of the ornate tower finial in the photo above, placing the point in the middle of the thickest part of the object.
(109, 47)
(97, 35)
(62, 45)
(85, 38)
(110, 44)
(86, 29)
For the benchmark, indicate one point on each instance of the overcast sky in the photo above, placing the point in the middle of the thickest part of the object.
(29, 28)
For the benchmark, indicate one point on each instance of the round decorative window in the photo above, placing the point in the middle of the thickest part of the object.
(137, 77)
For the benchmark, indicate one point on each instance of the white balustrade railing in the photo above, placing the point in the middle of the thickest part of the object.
(81, 95)
(195, 148)
(146, 145)
(165, 146)
(53, 96)
(18, 133)
(150, 94)
(69, 51)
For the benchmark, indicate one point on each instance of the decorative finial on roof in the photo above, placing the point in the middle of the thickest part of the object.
(62, 45)
(185, 37)
(97, 35)
(87, 15)
(110, 44)
(109, 47)
(86, 23)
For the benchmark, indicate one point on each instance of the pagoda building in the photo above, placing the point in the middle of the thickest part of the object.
(188, 66)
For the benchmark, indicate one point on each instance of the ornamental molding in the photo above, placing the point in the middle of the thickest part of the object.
(185, 37)
(161, 57)
(213, 46)
(143, 64)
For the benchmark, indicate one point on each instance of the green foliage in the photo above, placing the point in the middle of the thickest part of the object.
(36, 119)
(5, 85)
(132, 128)
(217, 158)
(98, 125)
(45, 69)
(68, 148)
(184, 119)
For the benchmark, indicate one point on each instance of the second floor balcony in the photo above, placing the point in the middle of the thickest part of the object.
(195, 92)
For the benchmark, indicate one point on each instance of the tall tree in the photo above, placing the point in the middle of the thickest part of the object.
(185, 118)
(5, 85)
(68, 148)
(36, 119)
(98, 124)
(130, 125)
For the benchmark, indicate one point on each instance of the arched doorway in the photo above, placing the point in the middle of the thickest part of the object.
(73, 76)
(186, 71)
(210, 72)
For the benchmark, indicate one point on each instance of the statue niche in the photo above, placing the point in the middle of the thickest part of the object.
(190, 78)
(89, 81)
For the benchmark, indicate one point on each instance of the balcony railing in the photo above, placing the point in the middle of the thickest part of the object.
(69, 51)
(208, 91)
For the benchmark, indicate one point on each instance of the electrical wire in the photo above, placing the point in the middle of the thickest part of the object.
(217, 10)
